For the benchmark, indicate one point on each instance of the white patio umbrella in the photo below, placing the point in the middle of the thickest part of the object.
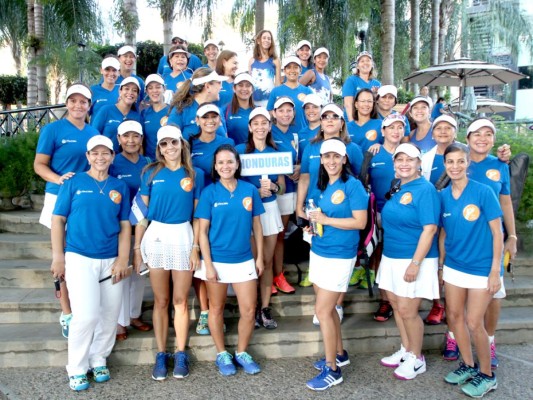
(487, 106)
(464, 72)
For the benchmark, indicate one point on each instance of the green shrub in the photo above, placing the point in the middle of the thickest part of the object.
(16, 163)
(13, 88)
(404, 96)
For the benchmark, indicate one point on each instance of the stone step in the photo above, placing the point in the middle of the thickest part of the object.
(18, 305)
(26, 221)
(25, 246)
(41, 345)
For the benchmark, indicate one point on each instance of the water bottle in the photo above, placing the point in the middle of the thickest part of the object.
(316, 228)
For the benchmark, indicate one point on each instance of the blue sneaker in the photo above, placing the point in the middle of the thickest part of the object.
(160, 371)
(225, 365)
(342, 360)
(451, 350)
(325, 379)
(78, 382)
(64, 321)
(480, 385)
(247, 363)
(101, 374)
(493, 357)
(181, 365)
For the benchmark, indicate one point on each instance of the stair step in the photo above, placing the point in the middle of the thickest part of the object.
(41, 345)
(26, 221)
(24, 245)
(18, 305)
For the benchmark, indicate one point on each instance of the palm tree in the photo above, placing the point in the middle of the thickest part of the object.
(167, 10)
(388, 20)
(414, 54)
(13, 28)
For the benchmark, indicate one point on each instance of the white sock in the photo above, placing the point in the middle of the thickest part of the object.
(450, 334)
(491, 339)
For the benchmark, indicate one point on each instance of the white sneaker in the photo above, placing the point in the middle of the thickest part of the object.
(394, 360)
(340, 311)
(316, 322)
(410, 367)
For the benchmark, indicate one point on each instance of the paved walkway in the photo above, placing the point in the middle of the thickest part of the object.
(280, 378)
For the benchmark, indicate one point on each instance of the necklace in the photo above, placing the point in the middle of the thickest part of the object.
(100, 188)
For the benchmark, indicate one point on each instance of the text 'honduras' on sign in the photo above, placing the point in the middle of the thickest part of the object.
(266, 164)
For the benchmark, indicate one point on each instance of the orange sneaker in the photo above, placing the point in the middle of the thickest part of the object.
(274, 290)
(436, 315)
(282, 285)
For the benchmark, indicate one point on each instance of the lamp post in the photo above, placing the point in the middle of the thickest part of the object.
(81, 56)
(362, 26)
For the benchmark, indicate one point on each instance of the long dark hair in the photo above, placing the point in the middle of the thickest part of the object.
(215, 177)
(257, 48)
(235, 101)
(250, 145)
(373, 113)
(197, 135)
(187, 91)
(323, 177)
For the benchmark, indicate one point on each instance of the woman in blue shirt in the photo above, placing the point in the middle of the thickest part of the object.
(419, 111)
(228, 213)
(471, 244)
(155, 116)
(408, 268)
(316, 77)
(170, 187)
(312, 105)
(365, 129)
(264, 67)
(343, 207)
(227, 64)
(106, 92)
(260, 142)
(178, 59)
(238, 111)
(303, 52)
(95, 247)
(109, 117)
(127, 166)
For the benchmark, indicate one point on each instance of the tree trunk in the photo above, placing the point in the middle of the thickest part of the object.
(39, 53)
(32, 69)
(167, 36)
(414, 53)
(167, 8)
(434, 57)
(388, 32)
(130, 34)
(446, 11)
(259, 15)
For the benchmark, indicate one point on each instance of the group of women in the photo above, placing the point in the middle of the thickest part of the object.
(179, 165)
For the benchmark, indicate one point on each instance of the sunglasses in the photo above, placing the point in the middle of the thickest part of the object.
(174, 142)
(330, 116)
(395, 188)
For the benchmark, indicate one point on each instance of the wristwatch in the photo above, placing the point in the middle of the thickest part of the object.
(417, 263)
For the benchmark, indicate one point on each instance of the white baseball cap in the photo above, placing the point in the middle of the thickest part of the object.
(99, 140)
(207, 108)
(259, 111)
(282, 100)
(478, 124)
(320, 50)
(130, 126)
(130, 79)
(445, 118)
(110, 62)
(388, 89)
(408, 148)
(303, 43)
(179, 51)
(168, 131)
(153, 78)
(243, 77)
(126, 49)
(80, 89)
(312, 98)
(392, 118)
(213, 76)
(291, 59)
(210, 41)
(334, 108)
(418, 99)
(333, 145)
(363, 54)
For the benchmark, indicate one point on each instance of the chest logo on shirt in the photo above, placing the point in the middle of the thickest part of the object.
(301, 96)
(163, 121)
(65, 141)
(371, 135)
(493, 175)
(247, 203)
(186, 184)
(407, 198)
(115, 196)
(338, 197)
(471, 212)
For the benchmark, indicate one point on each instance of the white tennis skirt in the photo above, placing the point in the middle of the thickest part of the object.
(331, 274)
(230, 272)
(271, 219)
(167, 246)
(48, 208)
(392, 270)
(469, 281)
(286, 203)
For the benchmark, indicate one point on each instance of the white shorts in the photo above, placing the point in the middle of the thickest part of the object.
(286, 203)
(271, 219)
(48, 208)
(469, 281)
(167, 246)
(392, 270)
(230, 272)
(331, 274)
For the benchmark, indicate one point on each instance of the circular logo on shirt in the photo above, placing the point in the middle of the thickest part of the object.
(471, 212)
(338, 197)
(407, 198)
(247, 203)
(301, 96)
(186, 184)
(493, 175)
(371, 135)
(163, 121)
(115, 196)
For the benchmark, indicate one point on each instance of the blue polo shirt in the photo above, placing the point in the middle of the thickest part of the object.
(151, 122)
(426, 144)
(381, 171)
(367, 134)
(102, 97)
(225, 95)
(288, 142)
(174, 82)
(493, 173)
(355, 83)
(128, 172)
(237, 124)
(186, 120)
(304, 137)
(109, 118)
(297, 95)
(202, 154)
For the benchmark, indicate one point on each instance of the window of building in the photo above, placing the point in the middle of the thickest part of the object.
(526, 83)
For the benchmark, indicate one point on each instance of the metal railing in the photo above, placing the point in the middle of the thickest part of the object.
(22, 120)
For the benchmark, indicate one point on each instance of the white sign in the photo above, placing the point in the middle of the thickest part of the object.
(266, 164)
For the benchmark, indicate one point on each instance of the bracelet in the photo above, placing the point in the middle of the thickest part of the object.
(512, 236)
(440, 268)
(136, 247)
(195, 246)
(417, 263)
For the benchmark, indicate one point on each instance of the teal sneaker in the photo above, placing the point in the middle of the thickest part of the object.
(480, 385)
(202, 328)
(247, 363)
(79, 382)
(101, 374)
(64, 321)
(462, 374)
(225, 365)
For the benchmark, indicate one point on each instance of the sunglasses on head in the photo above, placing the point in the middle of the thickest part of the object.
(165, 143)
(330, 116)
